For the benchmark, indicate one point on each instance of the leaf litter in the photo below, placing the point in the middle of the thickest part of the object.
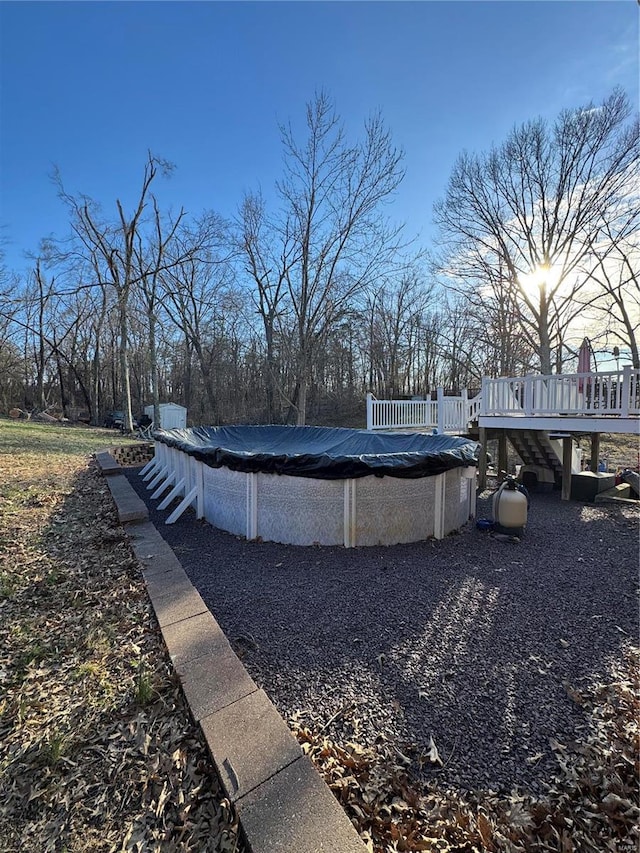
(97, 748)
(591, 805)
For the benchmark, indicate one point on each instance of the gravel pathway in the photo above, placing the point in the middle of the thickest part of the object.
(470, 641)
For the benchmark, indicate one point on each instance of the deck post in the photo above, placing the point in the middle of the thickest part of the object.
(567, 459)
(528, 395)
(502, 454)
(595, 451)
(369, 410)
(440, 395)
(484, 397)
(482, 462)
(625, 391)
(464, 394)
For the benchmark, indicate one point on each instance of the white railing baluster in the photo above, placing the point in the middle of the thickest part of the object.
(612, 393)
(626, 390)
(609, 393)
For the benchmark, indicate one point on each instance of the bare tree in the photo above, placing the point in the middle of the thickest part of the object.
(12, 357)
(396, 315)
(197, 296)
(115, 246)
(613, 267)
(332, 236)
(503, 341)
(153, 257)
(269, 251)
(43, 291)
(530, 208)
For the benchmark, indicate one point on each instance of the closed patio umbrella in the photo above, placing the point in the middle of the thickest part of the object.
(584, 361)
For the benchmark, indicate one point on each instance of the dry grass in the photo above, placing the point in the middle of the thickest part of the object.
(97, 749)
(619, 451)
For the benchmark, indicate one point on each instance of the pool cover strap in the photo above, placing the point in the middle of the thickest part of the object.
(322, 452)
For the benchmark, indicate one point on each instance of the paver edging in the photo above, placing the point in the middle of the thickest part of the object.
(107, 463)
(128, 505)
(293, 794)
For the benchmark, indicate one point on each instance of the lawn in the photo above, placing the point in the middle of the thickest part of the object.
(97, 748)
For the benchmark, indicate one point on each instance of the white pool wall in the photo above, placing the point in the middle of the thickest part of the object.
(354, 512)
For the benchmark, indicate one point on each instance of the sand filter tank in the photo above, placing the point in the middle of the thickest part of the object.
(510, 505)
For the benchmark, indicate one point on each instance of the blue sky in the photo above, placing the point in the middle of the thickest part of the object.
(91, 87)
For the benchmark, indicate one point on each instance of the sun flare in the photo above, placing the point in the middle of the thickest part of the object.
(541, 277)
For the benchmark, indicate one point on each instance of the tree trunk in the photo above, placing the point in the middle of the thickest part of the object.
(205, 369)
(188, 372)
(304, 373)
(63, 393)
(96, 411)
(153, 364)
(270, 379)
(301, 416)
(543, 333)
(631, 336)
(124, 365)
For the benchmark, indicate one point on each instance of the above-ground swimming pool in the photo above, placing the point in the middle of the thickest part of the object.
(317, 485)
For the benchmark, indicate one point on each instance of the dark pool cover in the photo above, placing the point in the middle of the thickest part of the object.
(321, 452)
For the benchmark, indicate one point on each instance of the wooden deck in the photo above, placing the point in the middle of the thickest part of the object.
(560, 403)
(572, 403)
(543, 413)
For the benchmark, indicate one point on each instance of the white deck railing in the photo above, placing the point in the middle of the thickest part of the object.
(616, 392)
(447, 414)
(401, 414)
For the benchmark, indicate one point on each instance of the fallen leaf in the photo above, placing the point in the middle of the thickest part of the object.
(434, 756)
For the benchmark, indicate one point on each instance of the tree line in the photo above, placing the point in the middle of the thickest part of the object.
(291, 313)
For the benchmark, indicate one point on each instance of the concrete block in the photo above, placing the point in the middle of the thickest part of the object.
(214, 681)
(107, 464)
(587, 484)
(128, 505)
(285, 807)
(160, 563)
(249, 742)
(177, 606)
(162, 584)
(193, 638)
(153, 553)
(295, 812)
(143, 534)
(622, 493)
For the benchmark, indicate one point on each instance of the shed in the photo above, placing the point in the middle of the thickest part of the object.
(172, 416)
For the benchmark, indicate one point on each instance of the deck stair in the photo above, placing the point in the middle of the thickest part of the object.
(535, 447)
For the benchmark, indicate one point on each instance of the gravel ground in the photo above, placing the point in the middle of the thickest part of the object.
(470, 641)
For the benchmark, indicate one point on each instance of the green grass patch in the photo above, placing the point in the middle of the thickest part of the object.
(31, 437)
